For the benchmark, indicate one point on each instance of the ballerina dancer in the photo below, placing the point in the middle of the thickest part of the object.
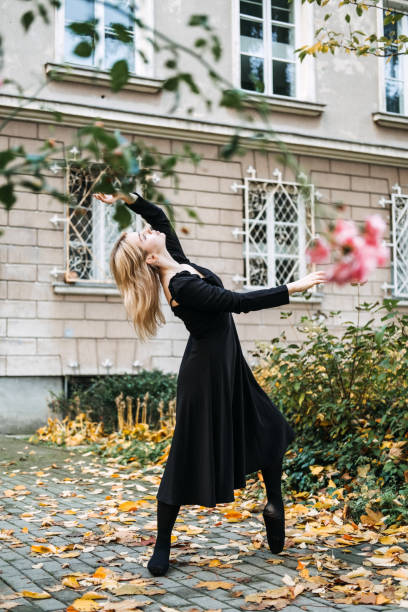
(226, 425)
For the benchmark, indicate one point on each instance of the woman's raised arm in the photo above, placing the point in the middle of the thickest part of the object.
(158, 219)
(193, 292)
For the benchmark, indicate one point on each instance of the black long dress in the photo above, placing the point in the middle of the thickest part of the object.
(226, 425)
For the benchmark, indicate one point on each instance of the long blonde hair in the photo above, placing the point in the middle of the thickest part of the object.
(139, 285)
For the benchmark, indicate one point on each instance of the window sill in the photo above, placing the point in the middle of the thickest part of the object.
(294, 106)
(85, 289)
(392, 120)
(101, 78)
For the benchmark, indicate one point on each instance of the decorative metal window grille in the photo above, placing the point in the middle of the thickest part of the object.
(90, 229)
(399, 245)
(278, 227)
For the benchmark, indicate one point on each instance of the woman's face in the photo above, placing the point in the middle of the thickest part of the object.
(149, 240)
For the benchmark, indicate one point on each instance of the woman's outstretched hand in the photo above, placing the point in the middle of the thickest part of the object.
(314, 278)
(110, 198)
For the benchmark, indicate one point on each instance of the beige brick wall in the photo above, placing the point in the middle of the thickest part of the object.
(42, 332)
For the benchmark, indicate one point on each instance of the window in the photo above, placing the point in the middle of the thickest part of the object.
(278, 227)
(90, 229)
(108, 49)
(395, 66)
(267, 43)
(399, 236)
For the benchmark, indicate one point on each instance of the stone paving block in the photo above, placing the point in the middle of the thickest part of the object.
(208, 603)
(173, 601)
(50, 604)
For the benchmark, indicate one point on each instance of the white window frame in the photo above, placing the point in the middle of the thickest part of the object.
(398, 203)
(144, 10)
(96, 246)
(305, 75)
(305, 224)
(381, 60)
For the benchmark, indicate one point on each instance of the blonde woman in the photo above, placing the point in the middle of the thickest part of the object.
(226, 425)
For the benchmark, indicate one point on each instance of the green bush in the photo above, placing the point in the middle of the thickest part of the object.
(97, 398)
(347, 400)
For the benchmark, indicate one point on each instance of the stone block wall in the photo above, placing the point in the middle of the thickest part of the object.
(41, 332)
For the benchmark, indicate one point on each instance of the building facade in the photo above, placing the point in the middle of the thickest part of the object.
(344, 119)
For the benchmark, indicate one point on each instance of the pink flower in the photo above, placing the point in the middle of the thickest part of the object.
(374, 229)
(343, 231)
(383, 254)
(319, 252)
(340, 272)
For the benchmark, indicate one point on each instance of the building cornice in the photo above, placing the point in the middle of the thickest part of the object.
(180, 128)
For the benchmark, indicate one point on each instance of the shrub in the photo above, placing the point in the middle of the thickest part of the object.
(97, 399)
(347, 400)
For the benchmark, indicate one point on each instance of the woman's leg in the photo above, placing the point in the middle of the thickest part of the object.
(166, 517)
(274, 511)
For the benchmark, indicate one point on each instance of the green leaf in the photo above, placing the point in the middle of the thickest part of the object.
(7, 195)
(122, 216)
(83, 49)
(119, 74)
(122, 33)
(171, 63)
(199, 20)
(233, 98)
(200, 42)
(171, 84)
(231, 148)
(187, 78)
(43, 12)
(6, 157)
(83, 28)
(27, 19)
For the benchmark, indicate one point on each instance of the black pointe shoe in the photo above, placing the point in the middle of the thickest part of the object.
(275, 528)
(159, 562)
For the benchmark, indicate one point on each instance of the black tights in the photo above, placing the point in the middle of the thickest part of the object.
(272, 475)
(166, 517)
(167, 514)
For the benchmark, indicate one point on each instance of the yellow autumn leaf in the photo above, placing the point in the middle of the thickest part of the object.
(316, 469)
(33, 595)
(211, 585)
(128, 506)
(102, 572)
(93, 595)
(85, 605)
(42, 550)
(71, 582)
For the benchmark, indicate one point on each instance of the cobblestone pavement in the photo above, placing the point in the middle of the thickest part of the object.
(59, 498)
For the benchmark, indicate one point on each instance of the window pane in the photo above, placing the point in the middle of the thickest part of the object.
(392, 30)
(393, 67)
(282, 10)
(71, 40)
(252, 73)
(394, 96)
(283, 78)
(253, 8)
(120, 13)
(79, 10)
(116, 50)
(282, 42)
(251, 37)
